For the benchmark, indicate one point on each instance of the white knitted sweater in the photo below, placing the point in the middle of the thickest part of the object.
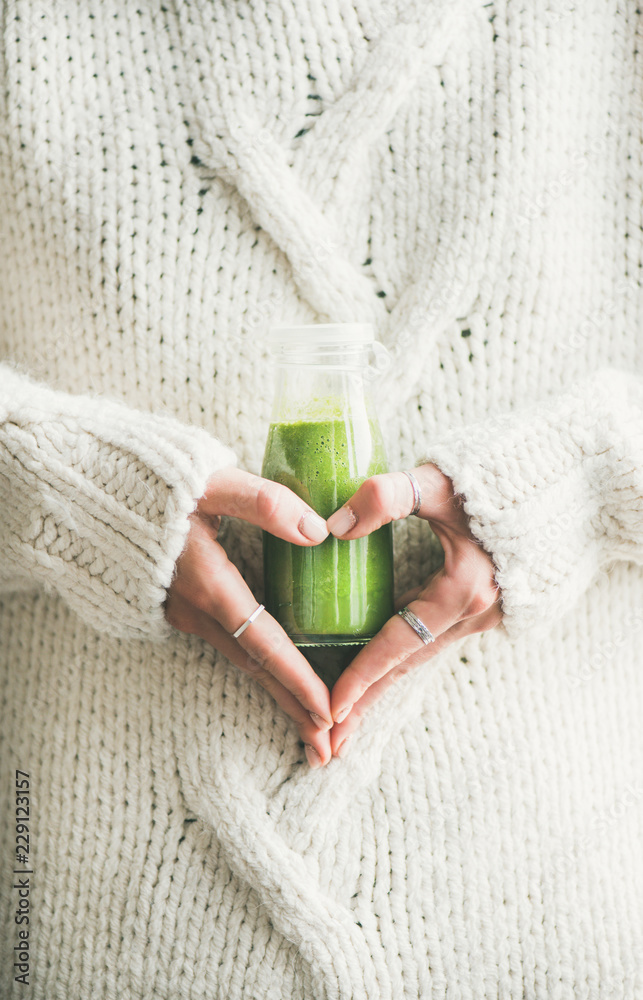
(175, 176)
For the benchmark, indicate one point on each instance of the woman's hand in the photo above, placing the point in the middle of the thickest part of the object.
(210, 598)
(459, 599)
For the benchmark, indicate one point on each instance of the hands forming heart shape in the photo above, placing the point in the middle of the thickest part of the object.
(209, 597)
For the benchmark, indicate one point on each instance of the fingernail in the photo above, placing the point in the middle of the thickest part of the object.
(313, 527)
(319, 722)
(342, 520)
(342, 715)
(342, 749)
(312, 756)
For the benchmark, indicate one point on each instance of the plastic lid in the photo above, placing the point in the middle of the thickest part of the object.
(320, 334)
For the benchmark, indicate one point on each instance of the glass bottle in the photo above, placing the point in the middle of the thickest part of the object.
(324, 441)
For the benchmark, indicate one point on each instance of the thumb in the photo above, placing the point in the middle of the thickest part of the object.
(380, 499)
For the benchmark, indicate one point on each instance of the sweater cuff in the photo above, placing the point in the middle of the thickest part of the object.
(553, 493)
(96, 498)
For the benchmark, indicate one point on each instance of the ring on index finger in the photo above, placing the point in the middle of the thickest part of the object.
(417, 625)
(417, 493)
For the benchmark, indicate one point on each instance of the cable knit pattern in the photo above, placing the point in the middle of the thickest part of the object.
(176, 176)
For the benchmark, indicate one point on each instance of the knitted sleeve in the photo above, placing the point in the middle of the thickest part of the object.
(95, 501)
(554, 492)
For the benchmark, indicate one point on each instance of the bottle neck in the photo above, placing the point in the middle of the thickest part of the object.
(312, 391)
(348, 357)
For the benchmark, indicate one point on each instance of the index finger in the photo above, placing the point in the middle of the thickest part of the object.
(214, 585)
(439, 608)
(268, 645)
(271, 506)
(389, 497)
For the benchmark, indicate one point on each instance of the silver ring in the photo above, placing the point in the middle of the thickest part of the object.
(248, 621)
(417, 493)
(417, 626)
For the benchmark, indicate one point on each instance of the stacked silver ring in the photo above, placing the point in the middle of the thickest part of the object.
(418, 626)
(417, 495)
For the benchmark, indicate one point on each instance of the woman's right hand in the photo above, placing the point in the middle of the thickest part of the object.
(209, 597)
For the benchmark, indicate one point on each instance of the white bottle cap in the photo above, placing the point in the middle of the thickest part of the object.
(320, 335)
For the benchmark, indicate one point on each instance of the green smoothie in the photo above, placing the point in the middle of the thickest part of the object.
(338, 591)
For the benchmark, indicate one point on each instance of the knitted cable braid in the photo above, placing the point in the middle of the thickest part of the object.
(176, 176)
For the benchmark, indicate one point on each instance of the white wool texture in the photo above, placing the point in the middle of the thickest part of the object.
(175, 177)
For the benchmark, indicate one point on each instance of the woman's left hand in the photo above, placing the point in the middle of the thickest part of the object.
(460, 598)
